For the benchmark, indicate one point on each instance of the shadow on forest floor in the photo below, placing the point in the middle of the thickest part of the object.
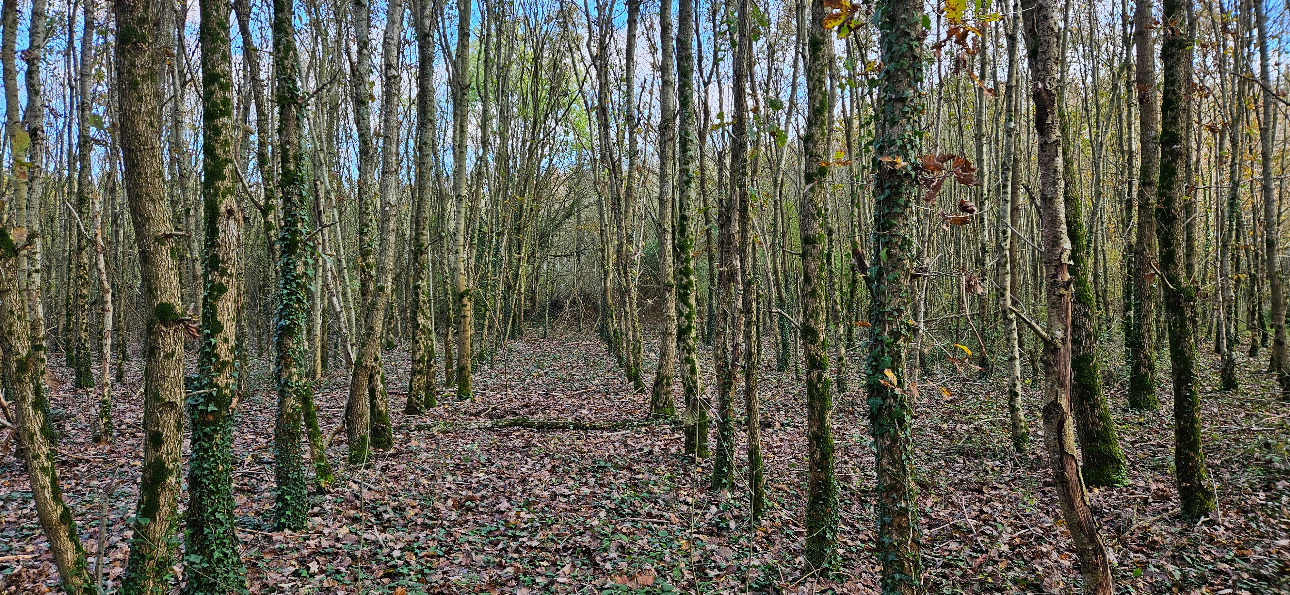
(460, 508)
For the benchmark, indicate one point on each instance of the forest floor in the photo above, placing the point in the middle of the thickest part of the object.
(460, 507)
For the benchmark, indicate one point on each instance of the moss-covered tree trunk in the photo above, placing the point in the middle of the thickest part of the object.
(291, 356)
(140, 40)
(22, 360)
(1042, 41)
(367, 412)
(696, 412)
(822, 485)
(1141, 338)
(213, 563)
(661, 401)
(1099, 443)
(422, 391)
(1194, 488)
(887, 375)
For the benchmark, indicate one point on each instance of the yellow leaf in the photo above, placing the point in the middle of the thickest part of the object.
(890, 376)
(946, 392)
(965, 349)
(835, 19)
(954, 9)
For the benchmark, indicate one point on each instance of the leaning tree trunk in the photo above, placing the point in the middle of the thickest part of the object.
(1194, 488)
(213, 560)
(22, 362)
(1042, 37)
(889, 379)
(822, 486)
(1141, 338)
(291, 360)
(139, 48)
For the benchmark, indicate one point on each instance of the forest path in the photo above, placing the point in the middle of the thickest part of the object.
(458, 506)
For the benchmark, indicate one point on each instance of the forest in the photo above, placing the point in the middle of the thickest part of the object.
(644, 296)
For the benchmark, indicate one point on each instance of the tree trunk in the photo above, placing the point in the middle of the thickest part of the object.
(1194, 488)
(291, 503)
(422, 391)
(459, 227)
(1042, 35)
(138, 56)
(696, 412)
(1280, 359)
(889, 379)
(661, 401)
(1141, 341)
(822, 486)
(213, 562)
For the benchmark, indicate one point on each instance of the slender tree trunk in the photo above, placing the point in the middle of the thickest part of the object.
(1280, 359)
(1042, 40)
(422, 391)
(460, 229)
(291, 503)
(696, 412)
(1009, 255)
(22, 362)
(1194, 488)
(213, 561)
(1141, 341)
(661, 401)
(367, 384)
(822, 485)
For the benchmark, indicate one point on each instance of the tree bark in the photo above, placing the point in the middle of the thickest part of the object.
(1194, 488)
(1141, 339)
(213, 563)
(822, 486)
(1042, 35)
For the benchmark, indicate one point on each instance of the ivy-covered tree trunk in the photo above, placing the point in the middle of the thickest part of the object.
(661, 402)
(291, 358)
(1042, 41)
(422, 390)
(138, 59)
(822, 485)
(213, 563)
(887, 375)
(696, 412)
(1194, 488)
(1141, 338)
